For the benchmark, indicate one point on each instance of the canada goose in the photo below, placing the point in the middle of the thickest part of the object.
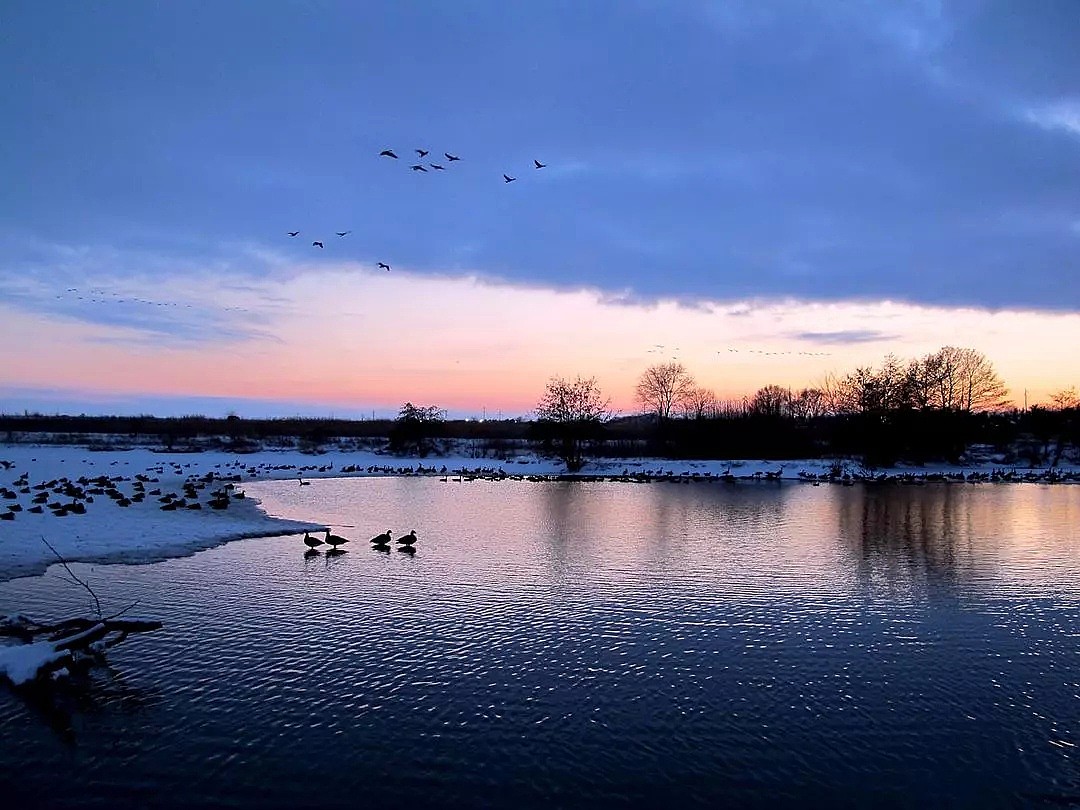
(451, 157)
(538, 164)
(317, 244)
(335, 540)
(304, 483)
(342, 233)
(418, 168)
(423, 153)
(383, 266)
(294, 233)
(508, 179)
(437, 167)
(381, 539)
(408, 539)
(388, 153)
(312, 542)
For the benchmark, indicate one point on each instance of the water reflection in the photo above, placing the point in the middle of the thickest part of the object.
(593, 644)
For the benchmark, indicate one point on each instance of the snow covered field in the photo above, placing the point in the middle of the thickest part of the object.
(90, 509)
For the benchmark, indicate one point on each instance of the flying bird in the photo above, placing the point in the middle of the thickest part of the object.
(451, 157)
(508, 179)
(388, 153)
(383, 266)
(437, 167)
(539, 165)
(317, 244)
(294, 233)
(418, 168)
(423, 153)
(342, 233)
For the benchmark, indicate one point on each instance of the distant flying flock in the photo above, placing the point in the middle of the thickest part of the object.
(416, 167)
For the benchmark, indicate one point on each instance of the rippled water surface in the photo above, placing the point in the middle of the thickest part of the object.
(587, 644)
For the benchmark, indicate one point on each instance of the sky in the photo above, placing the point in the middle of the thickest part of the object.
(767, 192)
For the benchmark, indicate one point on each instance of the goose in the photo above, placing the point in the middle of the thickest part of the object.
(381, 539)
(388, 153)
(342, 233)
(294, 233)
(538, 164)
(423, 153)
(437, 167)
(304, 483)
(418, 168)
(451, 157)
(312, 542)
(335, 540)
(383, 266)
(508, 179)
(317, 244)
(408, 539)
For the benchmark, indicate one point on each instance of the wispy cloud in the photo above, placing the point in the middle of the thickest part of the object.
(844, 336)
(1063, 114)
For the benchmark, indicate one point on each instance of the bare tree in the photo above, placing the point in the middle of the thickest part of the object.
(699, 403)
(963, 380)
(569, 413)
(809, 403)
(1066, 399)
(772, 400)
(661, 387)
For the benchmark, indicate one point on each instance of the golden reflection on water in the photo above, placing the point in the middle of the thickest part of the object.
(722, 540)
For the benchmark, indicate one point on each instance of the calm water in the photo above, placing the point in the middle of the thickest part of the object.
(584, 645)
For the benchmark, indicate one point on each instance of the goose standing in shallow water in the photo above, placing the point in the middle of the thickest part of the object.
(381, 539)
(312, 542)
(335, 540)
(407, 539)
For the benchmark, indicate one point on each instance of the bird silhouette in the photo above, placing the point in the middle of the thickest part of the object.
(312, 542)
(317, 244)
(508, 179)
(294, 233)
(423, 153)
(388, 153)
(407, 539)
(342, 233)
(334, 540)
(539, 165)
(381, 539)
(384, 266)
(451, 157)
(437, 167)
(418, 168)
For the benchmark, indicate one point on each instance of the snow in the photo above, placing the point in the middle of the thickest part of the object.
(20, 663)
(142, 532)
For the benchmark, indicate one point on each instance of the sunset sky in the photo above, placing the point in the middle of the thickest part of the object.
(765, 191)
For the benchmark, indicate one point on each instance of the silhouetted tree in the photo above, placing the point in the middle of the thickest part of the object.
(699, 403)
(663, 386)
(771, 400)
(1065, 399)
(963, 380)
(415, 429)
(569, 414)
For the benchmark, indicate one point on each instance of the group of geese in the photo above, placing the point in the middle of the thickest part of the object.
(381, 542)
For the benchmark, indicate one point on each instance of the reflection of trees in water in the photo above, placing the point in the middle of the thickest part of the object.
(925, 531)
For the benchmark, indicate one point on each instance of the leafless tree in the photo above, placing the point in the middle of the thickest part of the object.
(772, 400)
(699, 403)
(809, 403)
(1065, 399)
(663, 386)
(963, 380)
(569, 413)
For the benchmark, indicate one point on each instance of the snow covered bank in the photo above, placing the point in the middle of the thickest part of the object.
(108, 506)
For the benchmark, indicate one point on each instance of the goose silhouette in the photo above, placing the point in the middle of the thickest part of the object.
(312, 542)
(381, 539)
(335, 540)
(407, 539)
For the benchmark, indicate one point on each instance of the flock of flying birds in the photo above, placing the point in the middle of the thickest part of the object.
(416, 167)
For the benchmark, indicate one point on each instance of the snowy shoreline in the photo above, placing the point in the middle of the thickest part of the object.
(79, 506)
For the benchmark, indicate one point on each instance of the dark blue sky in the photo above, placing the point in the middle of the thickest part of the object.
(921, 151)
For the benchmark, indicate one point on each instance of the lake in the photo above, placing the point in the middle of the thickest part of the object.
(586, 644)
